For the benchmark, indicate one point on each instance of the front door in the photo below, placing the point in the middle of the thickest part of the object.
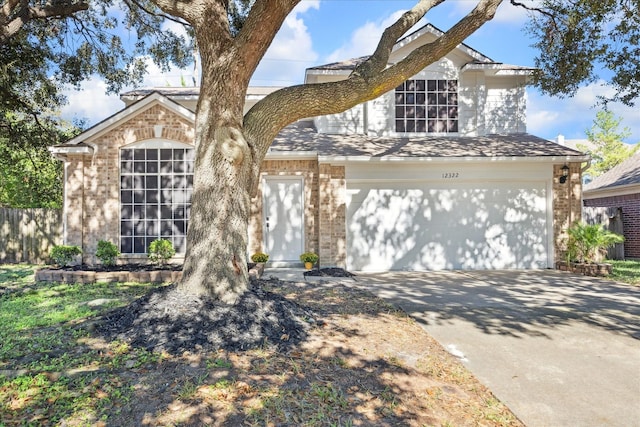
(283, 211)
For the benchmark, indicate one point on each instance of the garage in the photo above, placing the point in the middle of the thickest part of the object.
(449, 216)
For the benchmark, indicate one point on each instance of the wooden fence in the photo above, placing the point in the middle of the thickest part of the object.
(27, 235)
(611, 219)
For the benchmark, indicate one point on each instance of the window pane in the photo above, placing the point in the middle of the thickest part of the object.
(420, 98)
(165, 154)
(138, 196)
(399, 112)
(442, 85)
(421, 126)
(138, 211)
(151, 181)
(126, 196)
(410, 85)
(152, 196)
(411, 112)
(126, 245)
(166, 228)
(420, 85)
(152, 154)
(139, 154)
(126, 166)
(166, 166)
(453, 85)
(126, 182)
(452, 98)
(151, 211)
(453, 112)
(139, 246)
(165, 196)
(126, 154)
(399, 98)
(453, 126)
(400, 126)
(152, 167)
(166, 212)
(411, 126)
(432, 112)
(431, 85)
(126, 212)
(126, 228)
(420, 111)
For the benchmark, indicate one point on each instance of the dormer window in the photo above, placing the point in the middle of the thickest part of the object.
(427, 106)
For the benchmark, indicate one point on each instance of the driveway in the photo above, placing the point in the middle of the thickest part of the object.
(558, 349)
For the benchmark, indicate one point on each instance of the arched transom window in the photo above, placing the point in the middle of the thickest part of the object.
(156, 182)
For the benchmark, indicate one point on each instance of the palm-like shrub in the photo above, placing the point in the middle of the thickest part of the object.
(589, 242)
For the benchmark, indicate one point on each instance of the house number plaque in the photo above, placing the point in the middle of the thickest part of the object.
(450, 175)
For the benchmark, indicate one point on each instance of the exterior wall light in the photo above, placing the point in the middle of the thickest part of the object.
(565, 174)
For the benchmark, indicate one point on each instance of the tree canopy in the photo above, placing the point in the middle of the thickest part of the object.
(607, 149)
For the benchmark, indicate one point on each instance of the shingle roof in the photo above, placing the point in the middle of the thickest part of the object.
(626, 173)
(303, 137)
(349, 64)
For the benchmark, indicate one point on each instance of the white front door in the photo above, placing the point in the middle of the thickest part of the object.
(283, 211)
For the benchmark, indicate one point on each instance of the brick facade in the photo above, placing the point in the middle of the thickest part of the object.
(92, 187)
(92, 193)
(567, 206)
(630, 206)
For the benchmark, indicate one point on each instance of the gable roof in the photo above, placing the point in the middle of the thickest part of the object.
(114, 120)
(302, 137)
(625, 176)
(479, 61)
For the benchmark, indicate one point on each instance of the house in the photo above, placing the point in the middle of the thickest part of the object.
(619, 190)
(436, 174)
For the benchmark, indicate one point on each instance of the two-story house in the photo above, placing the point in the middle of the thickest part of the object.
(436, 174)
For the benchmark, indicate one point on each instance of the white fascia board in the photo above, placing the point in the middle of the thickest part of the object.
(291, 155)
(82, 149)
(414, 160)
(145, 103)
(498, 69)
(620, 190)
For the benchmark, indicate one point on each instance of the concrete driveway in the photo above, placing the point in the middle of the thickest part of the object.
(558, 349)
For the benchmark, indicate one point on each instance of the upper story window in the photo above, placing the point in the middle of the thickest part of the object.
(427, 106)
(156, 182)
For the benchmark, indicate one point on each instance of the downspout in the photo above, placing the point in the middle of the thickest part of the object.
(65, 163)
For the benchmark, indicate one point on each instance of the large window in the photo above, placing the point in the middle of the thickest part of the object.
(427, 106)
(155, 195)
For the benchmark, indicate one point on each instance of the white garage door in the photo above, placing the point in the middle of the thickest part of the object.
(436, 226)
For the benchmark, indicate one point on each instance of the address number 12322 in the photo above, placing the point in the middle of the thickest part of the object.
(450, 175)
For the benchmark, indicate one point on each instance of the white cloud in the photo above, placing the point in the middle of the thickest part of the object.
(506, 13)
(548, 117)
(90, 103)
(363, 40)
(292, 41)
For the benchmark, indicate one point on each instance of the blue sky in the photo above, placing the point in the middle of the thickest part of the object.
(322, 31)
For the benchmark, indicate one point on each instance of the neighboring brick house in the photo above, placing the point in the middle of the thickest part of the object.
(436, 174)
(619, 188)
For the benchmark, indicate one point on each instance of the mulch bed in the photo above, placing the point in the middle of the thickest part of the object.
(328, 272)
(171, 321)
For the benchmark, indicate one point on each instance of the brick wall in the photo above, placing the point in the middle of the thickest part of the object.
(567, 206)
(630, 206)
(92, 187)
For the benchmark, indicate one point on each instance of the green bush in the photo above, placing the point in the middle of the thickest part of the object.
(309, 257)
(259, 257)
(160, 251)
(62, 255)
(107, 252)
(589, 243)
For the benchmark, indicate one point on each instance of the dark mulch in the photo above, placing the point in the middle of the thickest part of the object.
(329, 272)
(169, 320)
(120, 267)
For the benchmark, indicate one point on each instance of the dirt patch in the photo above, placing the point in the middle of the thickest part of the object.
(316, 354)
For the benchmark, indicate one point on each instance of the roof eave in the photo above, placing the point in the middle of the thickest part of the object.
(612, 191)
(465, 159)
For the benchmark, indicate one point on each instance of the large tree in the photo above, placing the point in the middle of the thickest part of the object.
(233, 36)
(606, 148)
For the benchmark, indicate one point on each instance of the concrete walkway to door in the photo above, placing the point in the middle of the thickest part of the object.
(557, 349)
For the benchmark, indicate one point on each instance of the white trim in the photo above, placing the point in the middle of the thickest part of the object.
(56, 149)
(157, 143)
(291, 155)
(619, 190)
(468, 159)
(138, 107)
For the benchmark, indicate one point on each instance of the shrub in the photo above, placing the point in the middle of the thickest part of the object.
(309, 257)
(160, 251)
(62, 255)
(107, 252)
(259, 257)
(589, 243)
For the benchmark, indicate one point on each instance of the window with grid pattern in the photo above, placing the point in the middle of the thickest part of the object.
(155, 197)
(429, 106)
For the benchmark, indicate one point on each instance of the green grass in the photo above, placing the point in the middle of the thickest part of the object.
(626, 271)
(51, 371)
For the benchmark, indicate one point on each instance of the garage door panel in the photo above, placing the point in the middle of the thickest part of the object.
(465, 226)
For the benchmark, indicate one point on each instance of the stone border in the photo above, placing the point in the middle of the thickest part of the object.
(597, 269)
(150, 276)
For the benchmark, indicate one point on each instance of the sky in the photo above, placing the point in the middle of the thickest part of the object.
(323, 31)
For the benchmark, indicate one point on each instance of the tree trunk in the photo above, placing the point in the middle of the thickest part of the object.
(217, 237)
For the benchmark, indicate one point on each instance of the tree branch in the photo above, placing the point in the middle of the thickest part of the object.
(16, 13)
(274, 112)
(259, 29)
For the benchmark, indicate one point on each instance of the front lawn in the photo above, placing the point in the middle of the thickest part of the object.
(366, 363)
(626, 271)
